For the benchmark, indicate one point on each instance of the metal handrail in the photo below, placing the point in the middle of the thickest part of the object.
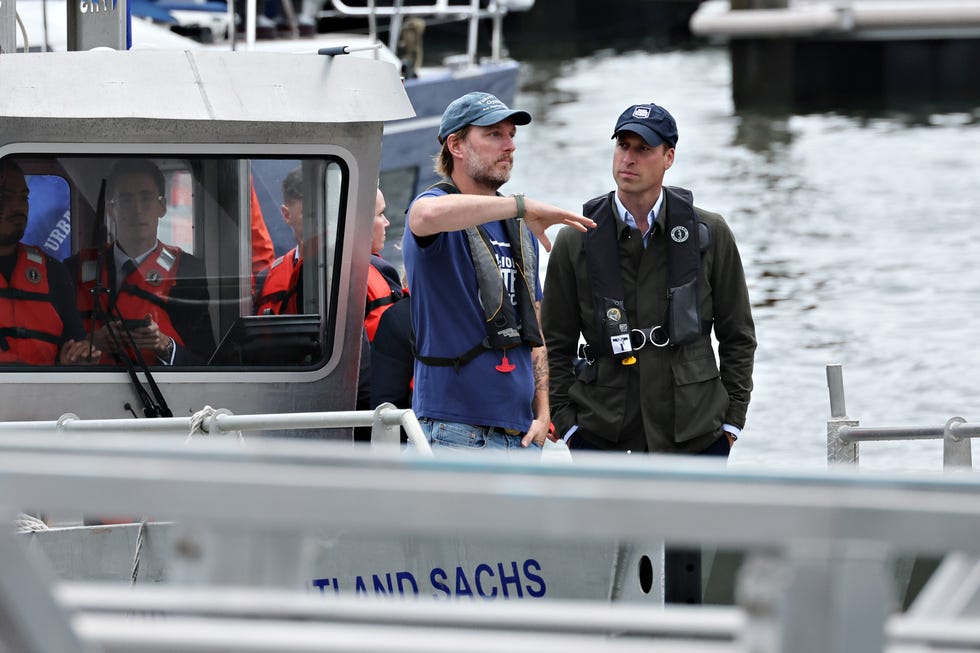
(384, 421)
(844, 434)
(436, 8)
(959, 429)
(471, 11)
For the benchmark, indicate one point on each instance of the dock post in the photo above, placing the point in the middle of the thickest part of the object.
(838, 451)
(763, 69)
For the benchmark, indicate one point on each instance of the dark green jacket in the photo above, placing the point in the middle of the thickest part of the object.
(674, 399)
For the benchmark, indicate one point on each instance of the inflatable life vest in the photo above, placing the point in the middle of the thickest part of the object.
(502, 327)
(277, 286)
(30, 327)
(383, 291)
(145, 290)
(687, 239)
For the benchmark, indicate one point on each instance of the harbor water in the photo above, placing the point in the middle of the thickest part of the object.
(858, 235)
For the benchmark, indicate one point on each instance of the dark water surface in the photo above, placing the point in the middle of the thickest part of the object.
(860, 238)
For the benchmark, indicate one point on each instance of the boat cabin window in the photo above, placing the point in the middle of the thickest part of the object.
(193, 262)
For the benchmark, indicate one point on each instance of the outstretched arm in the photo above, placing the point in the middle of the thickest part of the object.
(432, 215)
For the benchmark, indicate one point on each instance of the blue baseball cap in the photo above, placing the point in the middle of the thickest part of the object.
(480, 109)
(651, 122)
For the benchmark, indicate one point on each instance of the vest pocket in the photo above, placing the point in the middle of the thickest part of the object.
(700, 400)
(601, 402)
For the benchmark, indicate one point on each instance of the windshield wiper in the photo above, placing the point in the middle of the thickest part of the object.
(155, 405)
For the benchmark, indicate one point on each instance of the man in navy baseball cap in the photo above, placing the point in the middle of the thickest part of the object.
(653, 123)
(480, 109)
(655, 259)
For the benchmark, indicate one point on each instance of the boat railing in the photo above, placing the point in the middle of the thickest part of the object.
(470, 10)
(385, 421)
(844, 434)
(816, 578)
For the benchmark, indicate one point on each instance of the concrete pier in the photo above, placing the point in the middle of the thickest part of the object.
(570, 28)
(801, 55)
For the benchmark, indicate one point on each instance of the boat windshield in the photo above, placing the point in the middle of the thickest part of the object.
(187, 260)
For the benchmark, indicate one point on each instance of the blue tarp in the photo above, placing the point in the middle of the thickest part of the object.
(49, 220)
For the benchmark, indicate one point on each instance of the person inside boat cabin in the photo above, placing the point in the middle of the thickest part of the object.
(279, 288)
(481, 373)
(138, 291)
(384, 285)
(38, 321)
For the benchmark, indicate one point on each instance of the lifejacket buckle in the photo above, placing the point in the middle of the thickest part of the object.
(655, 341)
(640, 337)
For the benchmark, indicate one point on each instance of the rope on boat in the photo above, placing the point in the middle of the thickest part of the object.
(29, 524)
(199, 418)
(139, 550)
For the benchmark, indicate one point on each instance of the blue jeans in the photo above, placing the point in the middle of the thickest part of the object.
(448, 436)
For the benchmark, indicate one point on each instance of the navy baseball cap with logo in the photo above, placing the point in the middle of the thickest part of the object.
(480, 109)
(653, 123)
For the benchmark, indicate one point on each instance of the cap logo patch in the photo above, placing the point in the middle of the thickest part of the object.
(641, 112)
(491, 103)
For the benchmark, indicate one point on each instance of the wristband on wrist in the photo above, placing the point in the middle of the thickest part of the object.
(519, 198)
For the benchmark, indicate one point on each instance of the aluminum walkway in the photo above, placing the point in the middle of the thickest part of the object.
(815, 579)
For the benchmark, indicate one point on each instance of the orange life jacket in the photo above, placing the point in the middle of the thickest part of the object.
(30, 327)
(144, 291)
(277, 296)
(381, 294)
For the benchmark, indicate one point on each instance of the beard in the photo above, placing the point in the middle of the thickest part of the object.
(486, 174)
(14, 237)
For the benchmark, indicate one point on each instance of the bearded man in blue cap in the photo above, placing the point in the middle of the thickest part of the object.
(481, 374)
(645, 289)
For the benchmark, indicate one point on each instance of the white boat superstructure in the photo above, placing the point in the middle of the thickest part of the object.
(207, 119)
(409, 143)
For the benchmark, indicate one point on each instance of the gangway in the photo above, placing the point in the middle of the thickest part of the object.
(815, 580)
